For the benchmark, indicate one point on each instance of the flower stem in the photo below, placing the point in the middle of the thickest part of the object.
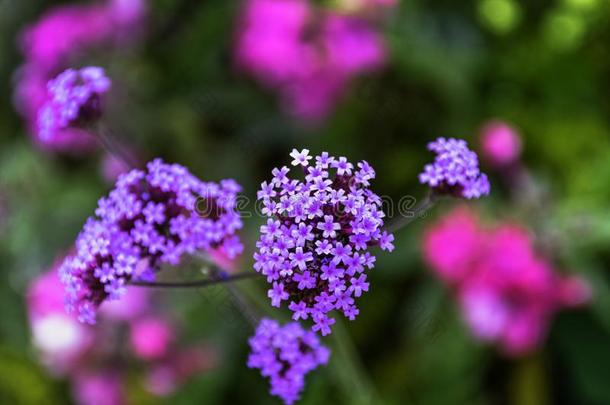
(194, 283)
(107, 140)
(419, 212)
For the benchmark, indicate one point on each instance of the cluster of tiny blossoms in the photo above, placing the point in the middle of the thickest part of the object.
(74, 95)
(313, 249)
(151, 217)
(285, 354)
(455, 170)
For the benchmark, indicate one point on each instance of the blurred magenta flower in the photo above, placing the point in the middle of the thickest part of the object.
(59, 337)
(507, 292)
(151, 337)
(308, 54)
(100, 387)
(450, 246)
(66, 31)
(165, 376)
(135, 304)
(60, 39)
(500, 144)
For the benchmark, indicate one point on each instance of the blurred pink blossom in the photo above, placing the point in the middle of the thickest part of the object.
(308, 54)
(166, 376)
(59, 337)
(450, 246)
(507, 293)
(151, 337)
(99, 388)
(500, 143)
(135, 303)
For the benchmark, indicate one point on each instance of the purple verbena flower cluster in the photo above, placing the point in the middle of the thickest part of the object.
(152, 217)
(314, 247)
(455, 170)
(285, 354)
(74, 96)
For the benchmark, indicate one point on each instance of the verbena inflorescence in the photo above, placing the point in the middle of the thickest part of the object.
(74, 95)
(285, 354)
(314, 247)
(455, 170)
(152, 217)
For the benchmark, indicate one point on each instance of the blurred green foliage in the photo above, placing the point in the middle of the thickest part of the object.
(543, 66)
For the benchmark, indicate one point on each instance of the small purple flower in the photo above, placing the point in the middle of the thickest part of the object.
(277, 294)
(299, 310)
(455, 170)
(150, 218)
(74, 98)
(329, 227)
(285, 354)
(317, 257)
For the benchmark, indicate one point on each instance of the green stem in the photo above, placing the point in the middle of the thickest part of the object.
(194, 283)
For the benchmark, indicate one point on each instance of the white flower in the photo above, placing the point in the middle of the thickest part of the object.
(300, 158)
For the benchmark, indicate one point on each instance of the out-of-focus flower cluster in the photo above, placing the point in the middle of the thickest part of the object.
(500, 144)
(455, 170)
(506, 291)
(307, 53)
(152, 217)
(97, 359)
(285, 354)
(62, 38)
(314, 247)
(74, 95)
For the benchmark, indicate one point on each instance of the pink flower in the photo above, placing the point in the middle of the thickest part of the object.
(507, 293)
(59, 337)
(500, 144)
(164, 377)
(307, 54)
(450, 245)
(134, 304)
(99, 388)
(67, 30)
(151, 338)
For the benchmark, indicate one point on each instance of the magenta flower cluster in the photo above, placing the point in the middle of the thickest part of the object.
(455, 170)
(74, 97)
(507, 292)
(285, 354)
(305, 52)
(152, 217)
(314, 246)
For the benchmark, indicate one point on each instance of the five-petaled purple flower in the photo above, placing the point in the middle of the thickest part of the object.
(285, 354)
(152, 217)
(455, 170)
(74, 98)
(314, 247)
